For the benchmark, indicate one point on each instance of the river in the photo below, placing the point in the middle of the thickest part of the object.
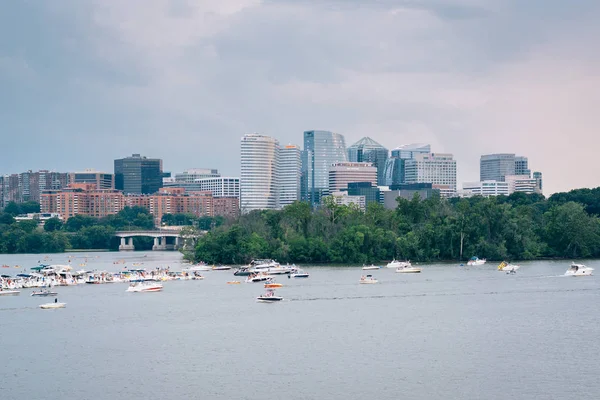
(448, 333)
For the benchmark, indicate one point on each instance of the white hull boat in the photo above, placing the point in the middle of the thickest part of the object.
(221, 268)
(44, 294)
(408, 270)
(475, 261)
(577, 270)
(508, 267)
(398, 264)
(9, 292)
(370, 267)
(50, 306)
(269, 297)
(299, 274)
(145, 287)
(203, 268)
(366, 280)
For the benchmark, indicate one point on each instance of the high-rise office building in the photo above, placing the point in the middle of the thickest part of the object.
(538, 178)
(191, 175)
(343, 173)
(522, 166)
(494, 167)
(322, 149)
(259, 180)
(138, 175)
(435, 168)
(368, 150)
(290, 169)
(100, 180)
(394, 170)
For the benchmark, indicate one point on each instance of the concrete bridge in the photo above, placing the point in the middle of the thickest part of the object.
(164, 239)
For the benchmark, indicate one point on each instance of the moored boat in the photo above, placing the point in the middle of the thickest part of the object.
(299, 274)
(233, 282)
(270, 284)
(474, 261)
(370, 267)
(368, 279)
(49, 306)
(579, 270)
(9, 292)
(397, 264)
(508, 267)
(221, 268)
(258, 278)
(408, 269)
(44, 293)
(145, 286)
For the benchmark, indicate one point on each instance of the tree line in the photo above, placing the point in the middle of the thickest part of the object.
(516, 227)
(80, 232)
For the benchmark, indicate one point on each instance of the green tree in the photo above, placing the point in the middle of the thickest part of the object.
(53, 224)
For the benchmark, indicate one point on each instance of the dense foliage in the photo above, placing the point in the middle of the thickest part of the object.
(519, 226)
(78, 232)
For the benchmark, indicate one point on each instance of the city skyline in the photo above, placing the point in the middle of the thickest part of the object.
(469, 77)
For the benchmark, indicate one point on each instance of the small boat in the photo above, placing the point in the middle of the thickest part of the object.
(44, 293)
(398, 264)
(408, 269)
(269, 297)
(145, 286)
(200, 267)
(9, 292)
(299, 274)
(49, 306)
(507, 267)
(270, 284)
(579, 270)
(257, 278)
(233, 282)
(370, 267)
(221, 268)
(474, 261)
(367, 279)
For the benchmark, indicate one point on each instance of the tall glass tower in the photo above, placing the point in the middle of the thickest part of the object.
(138, 175)
(259, 178)
(322, 149)
(290, 167)
(368, 150)
(394, 169)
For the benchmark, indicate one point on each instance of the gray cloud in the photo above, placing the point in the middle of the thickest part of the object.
(183, 80)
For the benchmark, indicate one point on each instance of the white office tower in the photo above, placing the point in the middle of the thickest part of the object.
(290, 169)
(259, 180)
(435, 168)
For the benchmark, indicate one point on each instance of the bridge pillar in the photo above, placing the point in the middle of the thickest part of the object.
(159, 244)
(126, 244)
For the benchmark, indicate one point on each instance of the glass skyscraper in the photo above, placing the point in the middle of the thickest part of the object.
(394, 170)
(494, 167)
(259, 178)
(321, 150)
(290, 167)
(368, 150)
(138, 175)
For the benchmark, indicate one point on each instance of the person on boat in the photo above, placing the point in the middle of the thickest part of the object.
(56, 300)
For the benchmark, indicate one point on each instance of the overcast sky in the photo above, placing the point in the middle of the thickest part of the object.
(84, 82)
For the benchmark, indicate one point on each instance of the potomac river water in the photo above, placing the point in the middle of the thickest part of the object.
(450, 332)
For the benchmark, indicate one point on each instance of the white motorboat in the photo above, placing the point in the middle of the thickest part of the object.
(474, 261)
(397, 264)
(370, 267)
(368, 279)
(200, 267)
(258, 278)
(269, 297)
(221, 268)
(145, 286)
(270, 267)
(408, 269)
(44, 293)
(299, 274)
(507, 267)
(50, 306)
(579, 270)
(9, 292)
